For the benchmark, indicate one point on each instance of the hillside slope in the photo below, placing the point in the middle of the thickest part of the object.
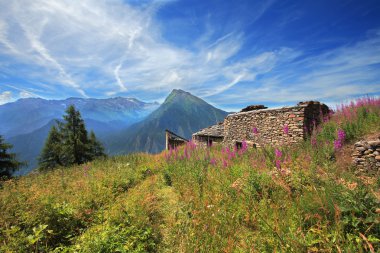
(181, 113)
(304, 198)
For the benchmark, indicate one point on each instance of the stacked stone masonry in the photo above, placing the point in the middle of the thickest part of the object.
(274, 127)
(367, 155)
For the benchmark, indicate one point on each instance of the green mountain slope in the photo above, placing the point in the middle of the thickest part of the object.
(181, 112)
(28, 147)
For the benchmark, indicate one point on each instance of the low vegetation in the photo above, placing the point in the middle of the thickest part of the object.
(305, 198)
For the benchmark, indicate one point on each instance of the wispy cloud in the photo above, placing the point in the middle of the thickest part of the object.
(5, 97)
(99, 47)
(334, 75)
(113, 47)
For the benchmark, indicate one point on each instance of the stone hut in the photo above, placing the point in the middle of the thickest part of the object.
(173, 140)
(210, 136)
(259, 126)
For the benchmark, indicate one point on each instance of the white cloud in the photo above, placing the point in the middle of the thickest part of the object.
(5, 97)
(114, 47)
(335, 75)
(25, 94)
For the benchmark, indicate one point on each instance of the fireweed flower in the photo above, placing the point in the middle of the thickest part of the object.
(313, 142)
(86, 168)
(277, 153)
(244, 147)
(338, 143)
(286, 129)
(231, 155)
(341, 135)
(255, 130)
(213, 161)
(278, 164)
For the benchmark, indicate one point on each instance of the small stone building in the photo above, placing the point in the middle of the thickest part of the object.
(173, 140)
(210, 136)
(259, 126)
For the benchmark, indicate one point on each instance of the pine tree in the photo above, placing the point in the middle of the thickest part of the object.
(51, 153)
(96, 149)
(74, 135)
(69, 143)
(8, 162)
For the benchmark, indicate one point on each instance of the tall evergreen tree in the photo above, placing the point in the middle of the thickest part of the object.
(69, 143)
(8, 162)
(74, 136)
(51, 153)
(96, 148)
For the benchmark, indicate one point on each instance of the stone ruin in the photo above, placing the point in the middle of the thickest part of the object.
(367, 155)
(258, 126)
(173, 140)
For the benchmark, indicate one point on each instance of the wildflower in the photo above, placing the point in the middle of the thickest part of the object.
(213, 161)
(278, 153)
(86, 168)
(244, 147)
(341, 135)
(191, 145)
(186, 153)
(313, 142)
(255, 130)
(338, 143)
(225, 164)
(286, 129)
(231, 155)
(278, 164)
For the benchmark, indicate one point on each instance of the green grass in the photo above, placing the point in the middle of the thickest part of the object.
(184, 203)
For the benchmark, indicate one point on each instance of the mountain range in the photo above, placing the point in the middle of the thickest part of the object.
(124, 125)
(29, 114)
(181, 113)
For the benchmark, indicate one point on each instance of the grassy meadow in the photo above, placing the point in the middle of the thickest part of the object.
(303, 198)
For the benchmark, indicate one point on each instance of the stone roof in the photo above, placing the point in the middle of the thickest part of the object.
(253, 108)
(214, 131)
(175, 137)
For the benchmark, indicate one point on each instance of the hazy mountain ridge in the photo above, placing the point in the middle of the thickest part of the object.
(124, 125)
(27, 115)
(26, 122)
(181, 112)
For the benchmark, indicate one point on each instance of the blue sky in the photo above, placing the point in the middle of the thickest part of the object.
(230, 53)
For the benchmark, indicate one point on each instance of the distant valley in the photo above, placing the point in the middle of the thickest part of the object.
(124, 125)
(26, 122)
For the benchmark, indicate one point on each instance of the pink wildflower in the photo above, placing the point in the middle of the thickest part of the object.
(313, 142)
(286, 129)
(255, 130)
(86, 168)
(278, 164)
(278, 153)
(338, 143)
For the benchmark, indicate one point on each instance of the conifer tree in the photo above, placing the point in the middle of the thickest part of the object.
(74, 136)
(8, 162)
(96, 149)
(69, 143)
(51, 153)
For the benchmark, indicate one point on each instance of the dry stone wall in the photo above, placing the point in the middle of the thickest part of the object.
(367, 155)
(275, 127)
